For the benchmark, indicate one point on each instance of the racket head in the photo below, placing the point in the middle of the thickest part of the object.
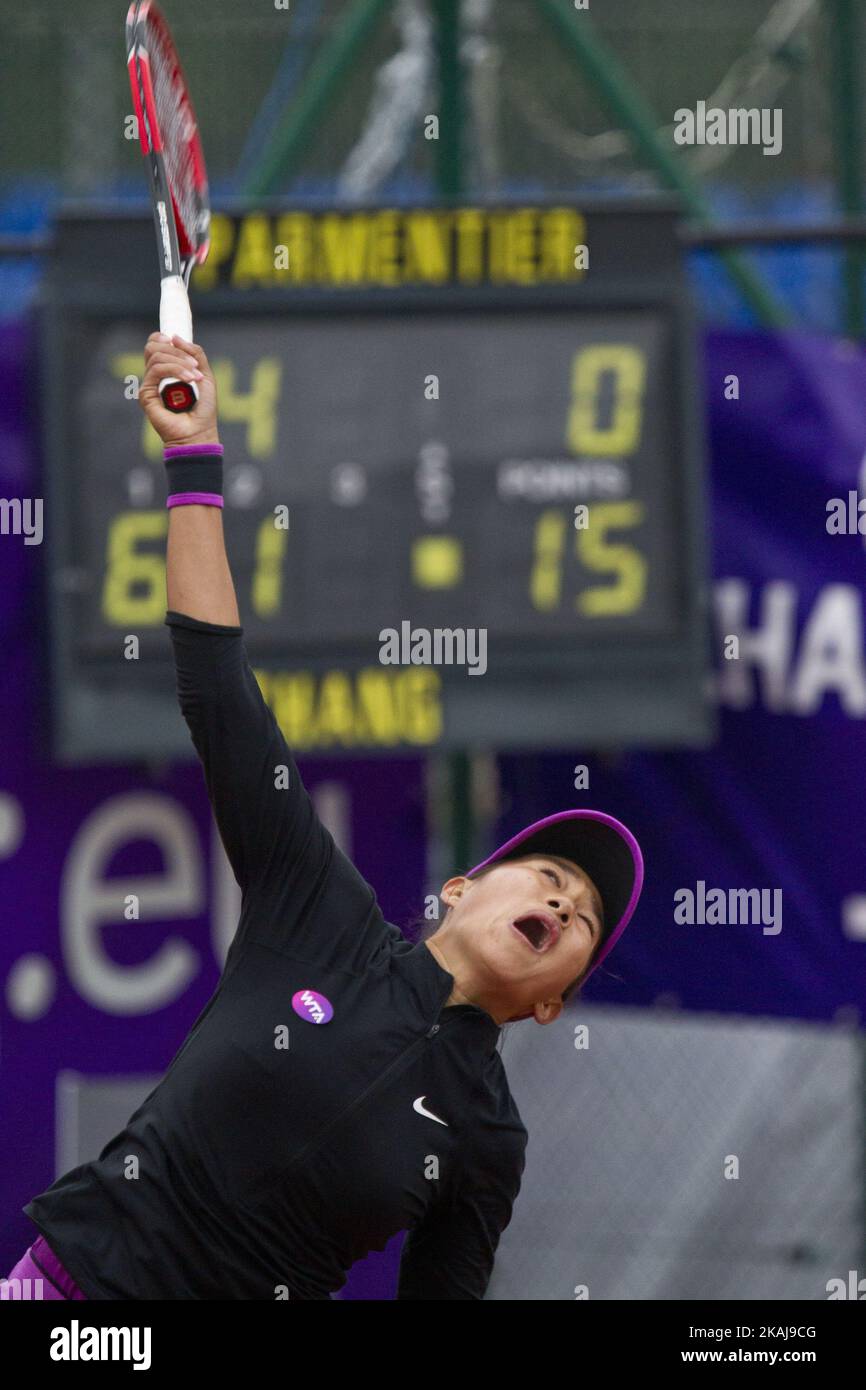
(167, 126)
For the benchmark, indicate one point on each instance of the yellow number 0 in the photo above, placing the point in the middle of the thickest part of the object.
(622, 435)
(126, 566)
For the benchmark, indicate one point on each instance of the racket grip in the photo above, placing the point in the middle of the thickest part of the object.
(175, 316)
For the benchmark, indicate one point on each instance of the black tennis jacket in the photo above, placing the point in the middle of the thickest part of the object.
(325, 1098)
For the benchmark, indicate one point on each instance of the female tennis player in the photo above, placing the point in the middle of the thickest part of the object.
(342, 1084)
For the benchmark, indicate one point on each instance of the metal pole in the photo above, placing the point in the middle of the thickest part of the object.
(449, 185)
(847, 120)
(280, 158)
(449, 153)
(297, 53)
(842, 229)
(462, 819)
(603, 69)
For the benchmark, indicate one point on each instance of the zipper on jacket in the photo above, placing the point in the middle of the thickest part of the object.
(359, 1100)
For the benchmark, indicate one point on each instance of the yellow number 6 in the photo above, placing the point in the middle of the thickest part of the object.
(127, 566)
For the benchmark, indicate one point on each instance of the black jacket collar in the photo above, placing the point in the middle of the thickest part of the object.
(434, 984)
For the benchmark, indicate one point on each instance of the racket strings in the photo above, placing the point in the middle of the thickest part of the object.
(177, 126)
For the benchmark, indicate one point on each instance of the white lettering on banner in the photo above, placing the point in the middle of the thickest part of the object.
(831, 653)
(787, 674)
(90, 901)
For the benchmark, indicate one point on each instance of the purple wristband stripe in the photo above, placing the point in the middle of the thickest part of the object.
(185, 499)
(176, 451)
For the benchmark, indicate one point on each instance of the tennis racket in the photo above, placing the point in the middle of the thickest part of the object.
(173, 154)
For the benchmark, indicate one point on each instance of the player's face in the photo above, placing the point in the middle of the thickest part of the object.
(523, 931)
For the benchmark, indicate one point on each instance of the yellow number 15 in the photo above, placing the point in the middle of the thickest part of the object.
(622, 563)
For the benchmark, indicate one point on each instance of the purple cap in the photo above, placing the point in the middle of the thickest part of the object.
(600, 845)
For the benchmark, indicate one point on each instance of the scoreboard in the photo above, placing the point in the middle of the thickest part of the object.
(472, 423)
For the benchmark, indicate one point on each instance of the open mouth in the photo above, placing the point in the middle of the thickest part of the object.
(538, 930)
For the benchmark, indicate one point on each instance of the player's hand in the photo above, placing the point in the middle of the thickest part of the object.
(175, 357)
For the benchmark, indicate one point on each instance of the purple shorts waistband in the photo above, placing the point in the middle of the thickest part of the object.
(40, 1262)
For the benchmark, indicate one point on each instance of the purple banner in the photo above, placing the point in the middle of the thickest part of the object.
(760, 839)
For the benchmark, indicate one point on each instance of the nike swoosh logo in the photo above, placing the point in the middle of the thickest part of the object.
(418, 1107)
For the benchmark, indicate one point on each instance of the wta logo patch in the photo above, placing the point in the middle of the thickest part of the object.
(313, 1007)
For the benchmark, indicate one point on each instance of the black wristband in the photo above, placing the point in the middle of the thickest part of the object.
(202, 473)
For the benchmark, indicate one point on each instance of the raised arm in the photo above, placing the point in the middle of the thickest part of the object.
(276, 844)
(198, 578)
(299, 888)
